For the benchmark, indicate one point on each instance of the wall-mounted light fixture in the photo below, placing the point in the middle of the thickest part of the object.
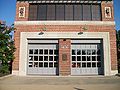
(84, 28)
(42, 30)
(79, 33)
(40, 33)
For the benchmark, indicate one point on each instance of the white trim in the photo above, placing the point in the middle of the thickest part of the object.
(58, 35)
(114, 72)
(107, 57)
(103, 23)
(15, 72)
(61, 1)
(23, 62)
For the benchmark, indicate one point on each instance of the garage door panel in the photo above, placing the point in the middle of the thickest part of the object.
(85, 41)
(41, 46)
(42, 58)
(42, 71)
(31, 70)
(85, 71)
(86, 58)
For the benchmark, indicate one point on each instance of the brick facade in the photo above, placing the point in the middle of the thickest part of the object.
(64, 65)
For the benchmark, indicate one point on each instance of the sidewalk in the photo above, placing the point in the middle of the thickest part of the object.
(60, 83)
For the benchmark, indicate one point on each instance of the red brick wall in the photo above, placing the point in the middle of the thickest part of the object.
(64, 56)
(67, 28)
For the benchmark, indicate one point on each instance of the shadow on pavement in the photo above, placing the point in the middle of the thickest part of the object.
(78, 88)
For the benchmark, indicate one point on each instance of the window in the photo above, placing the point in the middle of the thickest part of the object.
(86, 12)
(45, 58)
(42, 11)
(73, 52)
(36, 51)
(78, 52)
(73, 58)
(56, 52)
(50, 58)
(40, 64)
(68, 12)
(35, 58)
(30, 58)
(31, 51)
(33, 11)
(50, 52)
(59, 12)
(50, 64)
(40, 58)
(46, 51)
(73, 65)
(55, 58)
(79, 12)
(96, 13)
(78, 58)
(45, 64)
(41, 51)
(50, 12)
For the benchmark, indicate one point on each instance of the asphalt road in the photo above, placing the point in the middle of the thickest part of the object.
(60, 83)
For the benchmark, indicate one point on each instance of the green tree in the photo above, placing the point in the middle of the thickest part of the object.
(7, 48)
(118, 49)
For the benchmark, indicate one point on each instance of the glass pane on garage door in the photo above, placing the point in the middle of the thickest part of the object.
(86, 59)
(43, 59)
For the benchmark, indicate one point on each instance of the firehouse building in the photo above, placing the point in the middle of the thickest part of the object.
(65, 38)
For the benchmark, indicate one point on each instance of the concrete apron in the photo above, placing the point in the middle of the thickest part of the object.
(61, 87)
(59, 83)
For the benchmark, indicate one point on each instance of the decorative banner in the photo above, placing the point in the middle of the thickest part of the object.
(107, 12)
(21, 11)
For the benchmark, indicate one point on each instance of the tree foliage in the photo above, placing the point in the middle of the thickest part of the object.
(7, 48)
(118, 49)
(118, 39)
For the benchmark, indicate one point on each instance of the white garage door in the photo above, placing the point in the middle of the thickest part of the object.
(86, 58)
(42, 57)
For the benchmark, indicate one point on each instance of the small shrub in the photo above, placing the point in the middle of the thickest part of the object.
(4, 69)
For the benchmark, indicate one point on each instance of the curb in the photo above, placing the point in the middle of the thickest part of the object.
(118, 75)
(6, 76)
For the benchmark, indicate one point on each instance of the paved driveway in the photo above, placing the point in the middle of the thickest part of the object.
(60, 83)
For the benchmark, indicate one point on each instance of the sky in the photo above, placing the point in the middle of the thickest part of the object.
(7, 12)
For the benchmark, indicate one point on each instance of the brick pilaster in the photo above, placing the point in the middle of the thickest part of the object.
(64, 57)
